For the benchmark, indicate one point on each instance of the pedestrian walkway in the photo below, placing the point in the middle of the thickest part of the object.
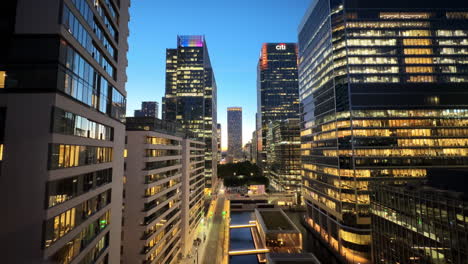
(202, 233)
(215, 238)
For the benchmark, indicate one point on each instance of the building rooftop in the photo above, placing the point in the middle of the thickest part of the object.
(274, 220)
(157, 125)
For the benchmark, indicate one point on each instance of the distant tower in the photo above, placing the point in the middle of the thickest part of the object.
(218, 131)
(234, 116)
(148, 109)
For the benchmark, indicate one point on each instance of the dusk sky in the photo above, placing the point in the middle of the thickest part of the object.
(234, 31)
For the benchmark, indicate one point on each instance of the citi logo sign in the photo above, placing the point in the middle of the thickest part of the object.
(281, 46)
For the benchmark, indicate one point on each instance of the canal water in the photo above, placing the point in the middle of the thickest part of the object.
(242, 239)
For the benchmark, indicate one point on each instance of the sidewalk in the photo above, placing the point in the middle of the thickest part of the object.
(215, 238)
(202, 231)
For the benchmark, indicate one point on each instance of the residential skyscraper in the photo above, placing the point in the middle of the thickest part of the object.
(62, 107)
(148, 109)
(382, 96)
(234, 122)
(163, 191)
(277, 89)
(191, 96)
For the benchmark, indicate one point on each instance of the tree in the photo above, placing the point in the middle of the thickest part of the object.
(241, 174)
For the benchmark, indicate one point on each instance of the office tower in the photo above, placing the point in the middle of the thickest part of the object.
(247, 151)
(63, 103)
(381, 90)
(149, 109)
(234, 122)
(163, 190)
(277, 89)
(254, 147)
(284, 156)
(191, 96)
(218, 137)
(419, 224)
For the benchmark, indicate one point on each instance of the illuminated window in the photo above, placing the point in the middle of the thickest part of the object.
(456, 42)
(371, 69)
(416, 33)
(404, 15)
(450, 33)
(3, 76)
(375, 79)
(454, 51)
(417, 42)
(371, 42)
(421, 78)
(420, 69)
(67, 156)
(418, 51)
(457, 15)
(418, 60)
(372, 60)
(386, 24)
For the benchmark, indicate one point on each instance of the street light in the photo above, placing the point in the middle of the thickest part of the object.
(196, 243)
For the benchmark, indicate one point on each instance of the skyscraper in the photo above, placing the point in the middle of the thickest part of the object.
(148, 109)
(219, 137)
(420, 223)
(234, 118)
(382, 90)
(254, 148)
(277, 89)
(191, 96)
(284, 156)
(63, 103)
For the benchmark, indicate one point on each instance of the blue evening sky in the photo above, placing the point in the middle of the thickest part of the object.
(234, 31)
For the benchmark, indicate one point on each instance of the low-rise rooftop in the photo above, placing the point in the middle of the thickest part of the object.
(275, 220)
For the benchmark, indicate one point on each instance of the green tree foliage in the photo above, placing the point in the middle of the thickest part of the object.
(241, 174)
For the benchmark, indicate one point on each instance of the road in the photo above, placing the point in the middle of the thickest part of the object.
(214, 247)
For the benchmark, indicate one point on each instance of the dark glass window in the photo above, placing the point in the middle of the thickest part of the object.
(160, 164)
(72, 124)
(60, 191)
(60, 225)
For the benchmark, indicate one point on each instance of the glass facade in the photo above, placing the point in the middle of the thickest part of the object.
(66, 78)
(277, 90)
(218, 137)
(60, 191)
(190, 97)
(234, 122)
(283, 156)
(419, 225)
(382, 99)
